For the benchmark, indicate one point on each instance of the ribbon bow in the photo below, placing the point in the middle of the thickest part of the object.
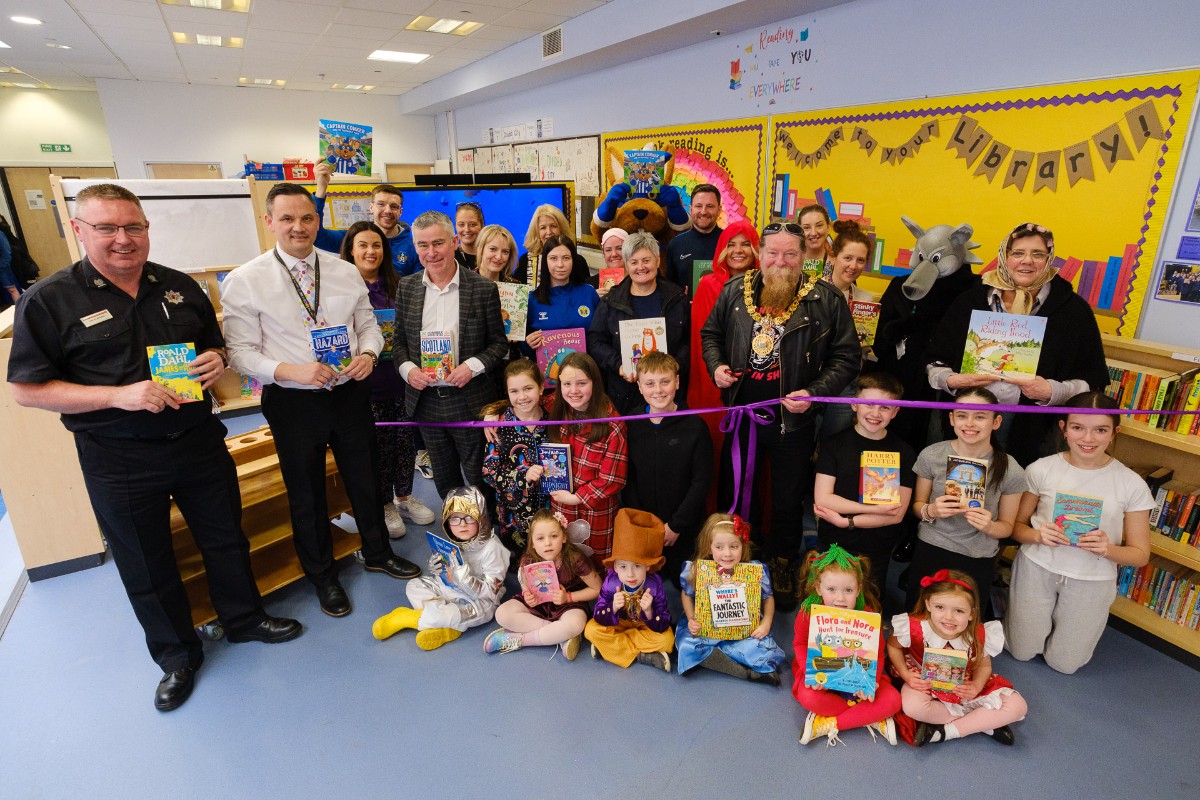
(741, 528)
(730, 423)
(943, 576)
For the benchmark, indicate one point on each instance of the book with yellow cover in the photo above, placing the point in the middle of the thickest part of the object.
(728, 604)
(879, 478)
(169, 367)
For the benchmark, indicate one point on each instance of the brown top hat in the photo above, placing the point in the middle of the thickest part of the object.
(637, 537)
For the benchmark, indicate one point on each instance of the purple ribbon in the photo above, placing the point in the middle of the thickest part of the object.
(730, 424)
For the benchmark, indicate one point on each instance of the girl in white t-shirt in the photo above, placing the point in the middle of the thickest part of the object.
(1064, 578)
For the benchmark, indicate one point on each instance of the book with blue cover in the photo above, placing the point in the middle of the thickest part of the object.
(331, 346)
(1076, 514)
(386, 317)
(169, 367)
(450, 552)
(556, 458)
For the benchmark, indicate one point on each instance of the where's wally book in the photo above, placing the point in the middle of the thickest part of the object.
(641, 336)
(514, 309)
(946, 669)
(879, 477)
(966, 479)
(556, 458)
(541, 579)
(728, 604)
(843, 650)
(386, 317)
(556, 345)
(1076, 514)
(331, 346)
(437, 355)
(1001, 344)
(450, 552)
(345, 145)
(169, 367)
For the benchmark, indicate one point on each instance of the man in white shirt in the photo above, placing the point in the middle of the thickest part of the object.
(272, 304)
(444, 297)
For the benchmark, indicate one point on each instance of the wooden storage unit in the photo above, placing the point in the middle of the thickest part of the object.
(1138, 445)
(265, 520)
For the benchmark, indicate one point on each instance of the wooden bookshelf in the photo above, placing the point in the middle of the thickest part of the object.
(1139, 445)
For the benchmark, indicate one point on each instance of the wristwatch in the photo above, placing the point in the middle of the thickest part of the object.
(374, 358)
(850, 520)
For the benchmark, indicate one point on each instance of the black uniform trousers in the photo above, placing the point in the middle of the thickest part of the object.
(131, 483)
(456, 454)
(304, 423)
(791, 480)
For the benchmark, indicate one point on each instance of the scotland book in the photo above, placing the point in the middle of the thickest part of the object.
(879, 477)
(1001, 344)
(1076, 514)
(556, 459)
(437, 355)
(638, 337)
(728, 602)
(331, 346)
(843, 650)
(169, 367)
(966, 479)
(450, 552)
(541, 579)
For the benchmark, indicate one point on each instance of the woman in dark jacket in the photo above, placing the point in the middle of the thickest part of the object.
(1072, 355)
(642, 296)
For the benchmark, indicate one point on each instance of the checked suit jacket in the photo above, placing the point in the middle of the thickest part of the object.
(480, 335)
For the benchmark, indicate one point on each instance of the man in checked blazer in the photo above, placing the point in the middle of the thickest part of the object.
(444, 297)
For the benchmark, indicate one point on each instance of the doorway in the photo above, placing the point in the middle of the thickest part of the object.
(33, 205)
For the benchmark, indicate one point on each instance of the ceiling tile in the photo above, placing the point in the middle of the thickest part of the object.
(97, 19)
(568, 8)
(468, 12)
(101, 70)
(419, 41)
(530, 20)
(391, 20)
(255, 35)
(129, 8)
(359, 33)
(411, 7)
(114, 37)
(196, 17)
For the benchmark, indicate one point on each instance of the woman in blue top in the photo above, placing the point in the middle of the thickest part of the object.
(563, 298)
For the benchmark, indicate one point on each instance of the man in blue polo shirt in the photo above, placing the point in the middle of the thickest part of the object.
(387, 203)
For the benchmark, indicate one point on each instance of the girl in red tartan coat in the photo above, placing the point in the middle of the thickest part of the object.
(599, 452)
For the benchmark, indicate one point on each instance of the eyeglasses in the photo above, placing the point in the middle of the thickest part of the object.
(1036, 255)
(469, 204)
(789, 227)
(133, 229)
(460, 520)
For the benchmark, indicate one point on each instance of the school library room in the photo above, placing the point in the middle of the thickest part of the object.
(770, 398)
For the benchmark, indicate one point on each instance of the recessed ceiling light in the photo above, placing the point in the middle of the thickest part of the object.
(260, 82)
(352, 87)
(3, 45)
(394, 55)
(241, 6)
(26, 20)
(58, 46)
(26, 85)
(435, 25)
(206, 39)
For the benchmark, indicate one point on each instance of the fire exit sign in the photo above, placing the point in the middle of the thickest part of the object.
(56, 148)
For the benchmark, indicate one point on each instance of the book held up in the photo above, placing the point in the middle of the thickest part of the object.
(966, 479)
(437, 355)
(169, 367)
(1076, 514)
(879, 478)
(641, 336)
(843, 650)
(1002, 344)
(728, 602)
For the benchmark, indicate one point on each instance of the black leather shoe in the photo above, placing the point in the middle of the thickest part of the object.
(334, 601)
(174, 688)
(270, 630)
(1004, 735)
(395, 566)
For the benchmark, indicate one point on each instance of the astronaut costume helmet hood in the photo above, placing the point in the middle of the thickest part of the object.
(467, 501)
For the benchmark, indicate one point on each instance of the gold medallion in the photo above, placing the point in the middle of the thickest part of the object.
(762, 344)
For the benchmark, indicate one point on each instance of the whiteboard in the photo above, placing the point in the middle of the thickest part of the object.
(575, 160)
(194, 224)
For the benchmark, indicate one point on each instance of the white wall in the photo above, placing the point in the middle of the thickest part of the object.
(32, 117)
(179, 122)
(880, 50)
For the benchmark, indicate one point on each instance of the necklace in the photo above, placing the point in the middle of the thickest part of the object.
(763, 343)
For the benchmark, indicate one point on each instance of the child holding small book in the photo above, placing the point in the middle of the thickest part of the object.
(1062, 586)
(837, 579)
(529, 621)
(631, 621)
(454, 597)
(725, 540)
(947, 616)
(670, 461)
(955, 533)
(864, 479)
(599, 451)
(511, 464)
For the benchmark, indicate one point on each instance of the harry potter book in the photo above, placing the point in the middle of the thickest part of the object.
(879, 477)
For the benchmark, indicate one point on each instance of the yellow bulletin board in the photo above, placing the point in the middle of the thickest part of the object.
(729, 155)
(1093, 161)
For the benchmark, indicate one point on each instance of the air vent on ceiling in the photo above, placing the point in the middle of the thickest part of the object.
(552, 44)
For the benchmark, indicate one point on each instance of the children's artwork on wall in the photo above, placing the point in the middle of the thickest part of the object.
(1179, 282)
(729, 155)
(773, 62)
(1093, 161)
(1193, 223)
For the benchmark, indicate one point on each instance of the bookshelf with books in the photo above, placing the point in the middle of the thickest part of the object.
(1156, 598)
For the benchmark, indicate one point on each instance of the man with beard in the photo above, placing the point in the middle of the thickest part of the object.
(776, 335)
(699, 243)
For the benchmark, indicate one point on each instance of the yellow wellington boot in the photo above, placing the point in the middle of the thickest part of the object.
(434, 638)
(398, 620)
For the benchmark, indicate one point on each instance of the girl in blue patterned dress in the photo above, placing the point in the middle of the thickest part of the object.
(725, 540)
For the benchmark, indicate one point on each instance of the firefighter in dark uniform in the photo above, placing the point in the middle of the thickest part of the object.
(79, 348)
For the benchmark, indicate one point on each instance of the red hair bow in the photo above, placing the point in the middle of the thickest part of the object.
(741, 528)
(943, 576)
